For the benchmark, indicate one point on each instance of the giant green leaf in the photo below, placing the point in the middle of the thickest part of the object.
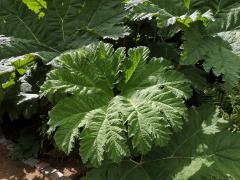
(232, 37)
(12, 47)
(218, 46)
(216, 53)
(227, 24)
(142, 111)
(227, 20)
(226, 14)
(102, 60)
(201, 150)
(98, 19)
(187, 4)
(67, 24)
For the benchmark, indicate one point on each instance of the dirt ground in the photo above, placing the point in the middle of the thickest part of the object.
(16, 170)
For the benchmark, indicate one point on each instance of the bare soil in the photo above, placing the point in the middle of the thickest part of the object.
(68, 167)
(16, 170)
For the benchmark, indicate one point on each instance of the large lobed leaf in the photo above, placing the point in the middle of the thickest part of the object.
(200, 151)
(227, 23)
(215, 52)
(76, 75)
(66, 24)
(217, 45)
(26, 38)
(148, 105)
(12, 47)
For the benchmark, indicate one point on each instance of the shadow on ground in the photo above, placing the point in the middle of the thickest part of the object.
(16, 170)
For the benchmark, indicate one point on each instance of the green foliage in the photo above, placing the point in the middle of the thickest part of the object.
(201, 149)
(21, 96)
(61, 28)
(148, 106)
(65, 24)
(156, 98)
(148, 10)
(27, 147)
(234, 116)
(26, 39)
(219, 53)
(216, 53)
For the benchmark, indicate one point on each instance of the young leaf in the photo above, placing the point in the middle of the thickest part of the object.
(37, 6)
(187, 4)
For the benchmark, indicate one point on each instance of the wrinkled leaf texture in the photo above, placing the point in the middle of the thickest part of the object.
(149, 106)
(66, 24)
(217, 45)
(199, 151)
